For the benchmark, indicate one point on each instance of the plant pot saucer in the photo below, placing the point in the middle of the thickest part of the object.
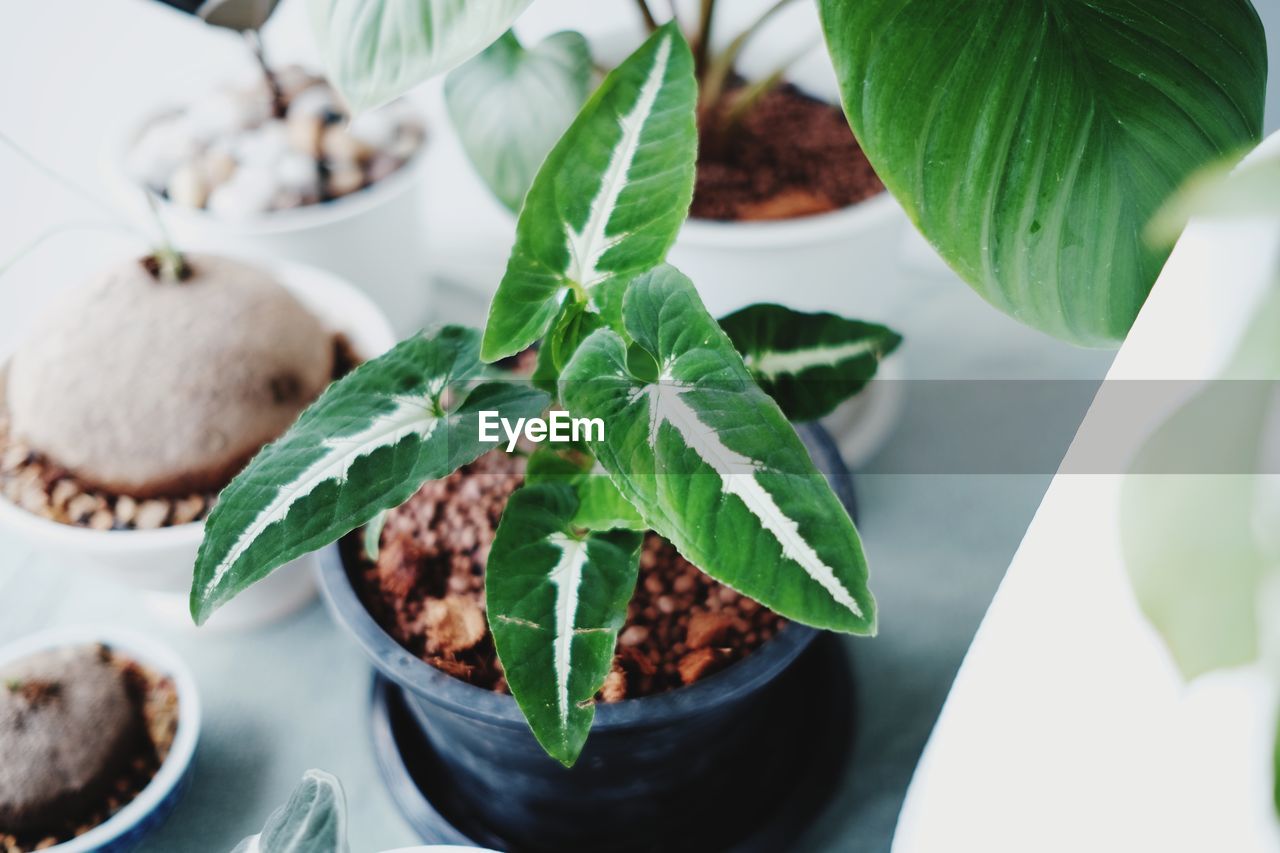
(799, 771)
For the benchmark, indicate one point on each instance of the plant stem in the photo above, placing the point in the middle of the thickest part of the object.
(58, 179)
(720, 67)
(702, 44)
(753, 92)
(172, 266)
(650, 22)
(254, 38)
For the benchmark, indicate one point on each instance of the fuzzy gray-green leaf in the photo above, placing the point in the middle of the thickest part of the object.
(712, 464)
(510, 105)
(366, 445)
(557, 597)
(609, 199)
(314, 820)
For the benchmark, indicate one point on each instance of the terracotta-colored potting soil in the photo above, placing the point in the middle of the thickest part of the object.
(789, 155)
(427, 590)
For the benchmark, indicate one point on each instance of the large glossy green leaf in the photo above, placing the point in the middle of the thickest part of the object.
(510, 105)
(1198, 545)
(710, 461)
(1032, 140)
(557, 597)
(609, 199)
(314, 820)
(808, 363)
(366, 445)
(376, 50)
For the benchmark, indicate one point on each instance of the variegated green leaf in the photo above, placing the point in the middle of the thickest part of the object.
(609, 199)
(571, 327)
(314, 820)
(557, 597)
(712, 464)
(808, 363)
(366, 445)
(600, 505)
(510, 105)
(376, 50)
(1032, 140)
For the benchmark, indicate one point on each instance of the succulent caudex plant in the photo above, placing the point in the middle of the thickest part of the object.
(1029, 140)
(693, 447)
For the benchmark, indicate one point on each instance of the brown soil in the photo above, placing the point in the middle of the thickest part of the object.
(790, 155)
(41, 486)
(427, 590)
(155, 700)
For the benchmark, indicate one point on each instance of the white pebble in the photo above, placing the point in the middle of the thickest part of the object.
(225, 113)
(313, 102)
(162, 147)
(249, 193)
(376, 129)
(187, 186)
(262, 146)
(297, 173)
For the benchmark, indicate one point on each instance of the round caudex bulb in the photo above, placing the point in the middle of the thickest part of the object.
(147, 386)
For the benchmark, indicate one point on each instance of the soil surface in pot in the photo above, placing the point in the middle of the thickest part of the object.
(426, 589)
(83, 730)
(41, 486)
(790, 155)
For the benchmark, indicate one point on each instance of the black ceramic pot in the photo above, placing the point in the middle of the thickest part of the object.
(652, 767)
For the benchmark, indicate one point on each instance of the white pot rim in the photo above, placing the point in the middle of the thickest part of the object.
(154, 655)
(797, 231)
(285, 221)
(316, 288)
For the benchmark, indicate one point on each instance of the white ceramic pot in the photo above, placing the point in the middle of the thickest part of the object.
(145, 812)
(159, 562)
(372, 237)
(844, 261)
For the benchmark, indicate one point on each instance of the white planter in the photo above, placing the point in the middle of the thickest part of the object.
(372, 237)
(154, 802)
(844, 261)
(159, 562)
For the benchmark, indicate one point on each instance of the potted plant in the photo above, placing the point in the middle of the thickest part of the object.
(273, 167)
(98, 730)
(679, 435)
(126, 409)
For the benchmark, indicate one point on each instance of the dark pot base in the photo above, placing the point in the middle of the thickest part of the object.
(797, 772)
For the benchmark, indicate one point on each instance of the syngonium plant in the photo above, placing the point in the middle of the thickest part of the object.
(697, 443)
(1029, 140)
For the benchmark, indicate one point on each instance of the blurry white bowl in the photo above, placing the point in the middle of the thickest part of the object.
(372, 237)
(159, 562)
(124, 829)
(844, 261)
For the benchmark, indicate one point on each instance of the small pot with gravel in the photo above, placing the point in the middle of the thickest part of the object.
(97, 729)
(143, 393)
(660, 552)
(275, 167)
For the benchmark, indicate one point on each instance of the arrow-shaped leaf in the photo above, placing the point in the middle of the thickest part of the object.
(376, 50)
(711, 463)
(557, 597)
(510, 105)
(1032, 140)
(366, 445)
(609, 199)
(600, 505)
(808, 363)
